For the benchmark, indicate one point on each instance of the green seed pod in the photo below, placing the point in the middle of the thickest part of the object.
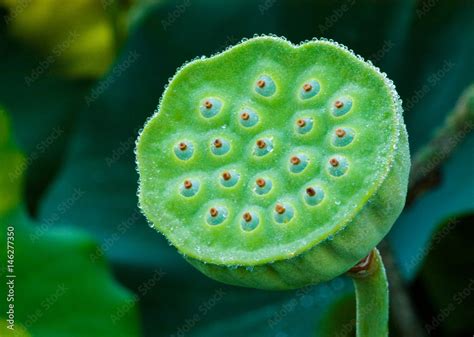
(318, 167)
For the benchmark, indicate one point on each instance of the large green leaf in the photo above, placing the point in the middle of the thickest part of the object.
(58, 291)
(51, 287)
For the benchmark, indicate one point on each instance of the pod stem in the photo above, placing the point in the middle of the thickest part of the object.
(371, 289)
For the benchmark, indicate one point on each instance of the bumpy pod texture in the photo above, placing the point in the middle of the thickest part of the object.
(275, 166)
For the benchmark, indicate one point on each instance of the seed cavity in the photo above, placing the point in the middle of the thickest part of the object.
(343, 137)
(298, 163)
(263, 146)
(249, 221)
(229, 178)
(263, 186)
(337, 166)
(189, 187)
(248, 118)
(313, 195)
(184, 150)
(216, 215)
(210, 107)
(265, 86)
(283, 212)
(341, 106)
(220, 146)
(310, 89)
(304, 125)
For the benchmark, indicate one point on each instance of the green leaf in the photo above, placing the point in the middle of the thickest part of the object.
(58, 291)
(51, 285)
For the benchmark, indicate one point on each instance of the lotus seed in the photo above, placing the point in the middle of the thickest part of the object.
(343, 137)
(262, 186)
(184, 150)
(189, 187)
(304, 125)
(310, 89)
(248, 118)
(265, 86)
(298, 163)
(263, 146)
(283, 213)
(210, 107)
(249, 221)
(216, 215)
(337, 166)
(313, 195)
(229, 178)
(341, 106)
(220, 147)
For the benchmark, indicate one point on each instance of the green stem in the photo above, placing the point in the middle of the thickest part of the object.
(371, 288)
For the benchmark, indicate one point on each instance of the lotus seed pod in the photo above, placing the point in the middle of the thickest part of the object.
(316, 154)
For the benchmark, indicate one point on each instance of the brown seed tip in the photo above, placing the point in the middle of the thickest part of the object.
(301, 123)
(338, 104)
(226, 175)
(245, 116)
(334, 162)
(307, 87)
(261, 83)
(295, 160)
(260, 182)
(188, 184)
(217, 143)
(310, 191)
(247, 217)
(340, 133)
(213, 212)
(280, 209)
(182, 146)
(261, 143)
(207, 104)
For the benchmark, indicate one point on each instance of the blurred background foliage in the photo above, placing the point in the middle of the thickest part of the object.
(79, 79)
